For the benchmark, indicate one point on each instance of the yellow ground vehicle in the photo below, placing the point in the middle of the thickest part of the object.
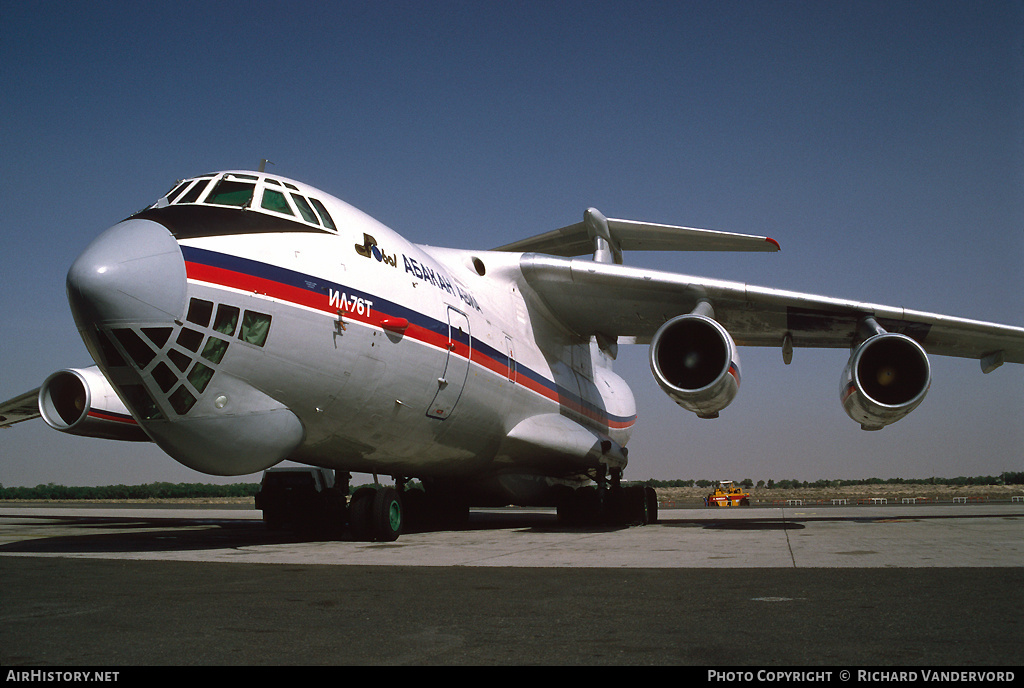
(726, 494)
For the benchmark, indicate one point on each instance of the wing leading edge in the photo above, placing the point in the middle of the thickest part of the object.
(607, 238)
(20, 408)
(616, 301)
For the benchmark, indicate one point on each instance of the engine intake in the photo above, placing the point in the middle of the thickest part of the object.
(695, 362)
(886, 378)
(80, 401)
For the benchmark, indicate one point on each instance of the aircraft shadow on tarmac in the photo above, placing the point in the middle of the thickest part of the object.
(741, 525)
(83, 534)
(107, 535)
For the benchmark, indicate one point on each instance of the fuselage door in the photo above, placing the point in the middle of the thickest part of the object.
(453, 378)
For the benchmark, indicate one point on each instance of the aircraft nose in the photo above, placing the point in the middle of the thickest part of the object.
(133, 272)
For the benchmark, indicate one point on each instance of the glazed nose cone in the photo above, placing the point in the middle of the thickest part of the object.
(132, 273)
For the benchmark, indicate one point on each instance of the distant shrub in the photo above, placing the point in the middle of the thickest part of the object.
(1006, 478)
(148, 491)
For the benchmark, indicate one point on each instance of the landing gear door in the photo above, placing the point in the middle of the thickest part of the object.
(453, 378)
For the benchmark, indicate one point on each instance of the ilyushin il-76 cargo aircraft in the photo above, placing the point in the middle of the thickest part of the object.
(245, 319)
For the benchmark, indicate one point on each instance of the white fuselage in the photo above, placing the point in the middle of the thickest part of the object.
(395, 358)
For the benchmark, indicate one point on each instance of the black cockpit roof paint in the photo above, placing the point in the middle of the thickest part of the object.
(194, 221)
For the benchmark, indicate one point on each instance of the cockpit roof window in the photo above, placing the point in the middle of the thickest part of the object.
(231, 192)
(324, 215)
(251, 192)
(177, 189)
(304, 209)
(275, 201)
(195, 192)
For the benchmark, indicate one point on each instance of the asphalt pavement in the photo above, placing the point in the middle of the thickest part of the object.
(903, 586)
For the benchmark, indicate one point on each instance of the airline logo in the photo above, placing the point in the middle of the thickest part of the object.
(369, 249)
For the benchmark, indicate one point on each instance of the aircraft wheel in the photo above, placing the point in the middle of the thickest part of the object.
(581, 508)
(652, 504)
(386, 515)
(629, 506)
(360, 521)
(414, 508)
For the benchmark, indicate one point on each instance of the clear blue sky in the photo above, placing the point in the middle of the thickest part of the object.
(881, 143)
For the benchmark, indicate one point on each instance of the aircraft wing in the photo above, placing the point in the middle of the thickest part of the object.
(612, 300)
(24, 407)
(632, 235)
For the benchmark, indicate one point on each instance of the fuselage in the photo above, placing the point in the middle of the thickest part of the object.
(246, 319)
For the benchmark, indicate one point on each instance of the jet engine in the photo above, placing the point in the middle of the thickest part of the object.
(80, 401)
(695, 362)
(886, 378)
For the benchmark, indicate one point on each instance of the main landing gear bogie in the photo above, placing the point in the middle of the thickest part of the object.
(316, 505)
(634, 505)
(382, 514)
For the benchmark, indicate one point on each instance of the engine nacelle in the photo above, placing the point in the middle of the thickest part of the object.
(886, 378)
(695, 362)
(80, 401)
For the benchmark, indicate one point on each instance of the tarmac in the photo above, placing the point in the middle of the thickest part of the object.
(922, 585)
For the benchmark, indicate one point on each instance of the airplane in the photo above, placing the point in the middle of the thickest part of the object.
(245, 319)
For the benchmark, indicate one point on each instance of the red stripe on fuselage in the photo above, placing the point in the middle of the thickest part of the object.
(303, 297)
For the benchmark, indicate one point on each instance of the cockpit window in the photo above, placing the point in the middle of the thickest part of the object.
(176, 191)
(270, 198)
(275, 200)
(195, 192)
(324, 215)
(231, 192)
(307, 212)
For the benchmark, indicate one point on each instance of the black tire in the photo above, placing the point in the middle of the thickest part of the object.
(652, 504)
(581, 508)
(630, 506)
(386, 515)
(360, 520)
(415, 516)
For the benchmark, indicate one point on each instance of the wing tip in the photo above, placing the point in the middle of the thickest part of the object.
(774, 243)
